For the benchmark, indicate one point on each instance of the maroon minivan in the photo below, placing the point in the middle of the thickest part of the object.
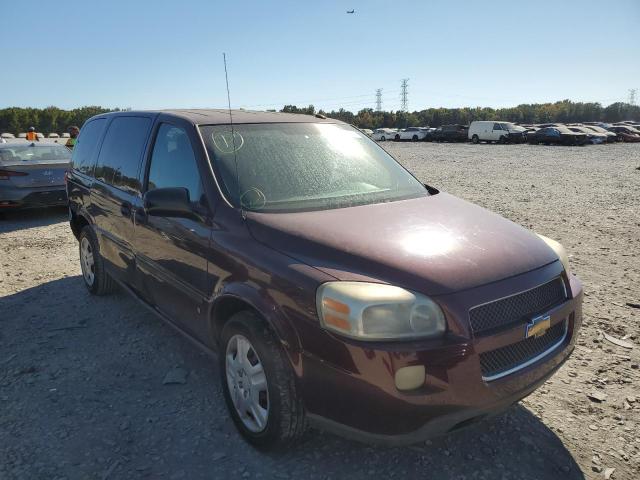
(336, 288)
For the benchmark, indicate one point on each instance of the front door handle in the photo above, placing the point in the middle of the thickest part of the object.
(125, 209)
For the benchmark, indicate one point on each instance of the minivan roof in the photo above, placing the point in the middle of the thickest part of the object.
(221, 116)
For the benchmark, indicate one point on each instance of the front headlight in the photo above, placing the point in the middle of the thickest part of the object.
(559, 249)
(374, 311)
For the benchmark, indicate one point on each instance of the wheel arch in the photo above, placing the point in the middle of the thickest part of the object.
(77, 222)
(239, 297)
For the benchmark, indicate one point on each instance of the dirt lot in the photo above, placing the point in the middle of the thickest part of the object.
(81, 378)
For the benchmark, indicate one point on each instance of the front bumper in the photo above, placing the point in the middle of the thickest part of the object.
(17, 198)
(516, 138)
(437, 426)
(352, 392)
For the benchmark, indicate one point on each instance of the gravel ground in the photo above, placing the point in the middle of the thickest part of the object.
(81, 378)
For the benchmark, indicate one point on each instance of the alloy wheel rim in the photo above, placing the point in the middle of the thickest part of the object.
(87, 262)
(247, 383)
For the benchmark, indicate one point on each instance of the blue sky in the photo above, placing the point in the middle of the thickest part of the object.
(163, 54)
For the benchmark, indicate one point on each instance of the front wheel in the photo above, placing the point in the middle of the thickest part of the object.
(397, 138)
(258, 383)
(414, 138)
(382, 139)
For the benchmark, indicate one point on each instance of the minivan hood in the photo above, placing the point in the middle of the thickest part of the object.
(436, 244)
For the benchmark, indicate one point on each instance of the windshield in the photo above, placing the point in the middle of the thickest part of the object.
(34, 153)
(305, 166)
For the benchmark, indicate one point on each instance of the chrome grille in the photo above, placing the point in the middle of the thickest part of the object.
(497, 363)
(518, 308)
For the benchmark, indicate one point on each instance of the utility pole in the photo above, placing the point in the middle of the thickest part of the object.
(378, 100)
(632, 96)
(404, 102)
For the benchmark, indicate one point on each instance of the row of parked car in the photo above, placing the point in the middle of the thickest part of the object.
(507, 132)
(11, 136)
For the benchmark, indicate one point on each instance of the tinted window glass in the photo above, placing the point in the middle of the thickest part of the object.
(173, 163)
(496, 126)
(85, 148)
(121, 152)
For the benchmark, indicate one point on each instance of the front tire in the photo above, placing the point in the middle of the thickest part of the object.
(258, 384)
(95, 277)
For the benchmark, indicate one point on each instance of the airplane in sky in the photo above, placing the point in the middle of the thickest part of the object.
(351, 11)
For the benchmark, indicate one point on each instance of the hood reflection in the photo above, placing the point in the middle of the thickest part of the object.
(430, 242)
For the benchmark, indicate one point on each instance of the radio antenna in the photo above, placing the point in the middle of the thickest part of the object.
(233, 134)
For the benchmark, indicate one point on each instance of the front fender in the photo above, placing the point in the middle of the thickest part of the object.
(268, 308)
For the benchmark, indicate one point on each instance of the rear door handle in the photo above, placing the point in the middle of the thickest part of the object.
(140, 216)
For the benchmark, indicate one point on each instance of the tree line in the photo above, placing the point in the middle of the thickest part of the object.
(564, 111)
(52, 119)
(46, 120)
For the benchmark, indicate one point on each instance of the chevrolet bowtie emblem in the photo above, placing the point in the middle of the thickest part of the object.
(536, 327)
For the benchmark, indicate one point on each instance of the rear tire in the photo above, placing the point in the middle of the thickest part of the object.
(382, 139)
(95, 277)
(475, 139)
(272, 391)
(397, 138)
(414, 138)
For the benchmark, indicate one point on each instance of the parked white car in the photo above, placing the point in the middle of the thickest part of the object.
(492, 131)
(410, 133)
(382, 134)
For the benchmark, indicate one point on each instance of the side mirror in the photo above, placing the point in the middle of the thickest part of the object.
(431, 190)
(168, 202)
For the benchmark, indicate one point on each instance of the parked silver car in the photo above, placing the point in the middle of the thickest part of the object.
(32, 175)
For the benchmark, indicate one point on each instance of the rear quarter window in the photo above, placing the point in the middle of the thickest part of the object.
(83, 157)
(121, 152)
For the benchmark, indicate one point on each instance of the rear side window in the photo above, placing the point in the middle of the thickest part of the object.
(121, 153)
(173, 163)
(83, 157)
